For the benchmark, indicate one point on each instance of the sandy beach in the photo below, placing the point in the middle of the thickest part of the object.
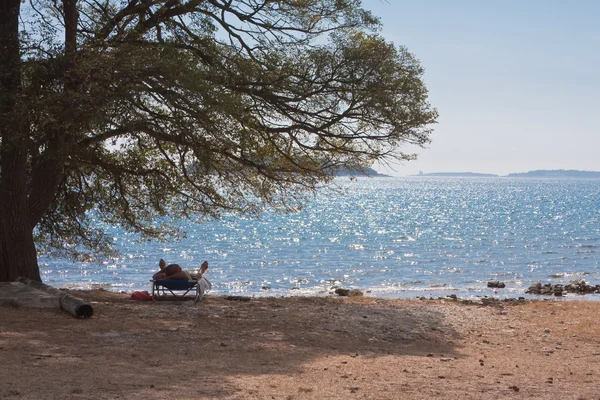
(302, 348)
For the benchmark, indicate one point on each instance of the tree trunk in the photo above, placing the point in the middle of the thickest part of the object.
(17, 250)
(18, 257)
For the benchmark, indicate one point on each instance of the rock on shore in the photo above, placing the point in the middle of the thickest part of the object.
(579, 287)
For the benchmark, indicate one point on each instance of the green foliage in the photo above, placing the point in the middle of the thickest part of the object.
(192, 108)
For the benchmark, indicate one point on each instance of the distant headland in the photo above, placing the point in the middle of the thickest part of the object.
(362, 172)
(541, 173)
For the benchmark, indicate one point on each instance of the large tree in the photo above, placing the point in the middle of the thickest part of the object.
(120, 112)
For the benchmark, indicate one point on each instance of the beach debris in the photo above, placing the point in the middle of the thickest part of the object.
(342, 292)
(71, 304)
(496, 284)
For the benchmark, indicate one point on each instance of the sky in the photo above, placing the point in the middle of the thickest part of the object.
(516, 83)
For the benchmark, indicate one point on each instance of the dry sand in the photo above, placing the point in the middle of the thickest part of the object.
(302, 348)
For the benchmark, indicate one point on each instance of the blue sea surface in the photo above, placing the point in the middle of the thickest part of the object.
(389, 237)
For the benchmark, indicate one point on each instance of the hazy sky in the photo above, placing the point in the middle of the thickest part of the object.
(516, 82)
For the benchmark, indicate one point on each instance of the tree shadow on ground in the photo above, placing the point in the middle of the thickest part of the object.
(148, 350)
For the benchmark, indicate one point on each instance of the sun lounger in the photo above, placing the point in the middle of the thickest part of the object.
(179, 289)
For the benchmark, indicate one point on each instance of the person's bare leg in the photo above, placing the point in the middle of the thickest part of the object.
(202, 270)
(160, 274)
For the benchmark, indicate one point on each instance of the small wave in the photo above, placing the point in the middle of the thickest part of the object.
(300, 281)
(404, 239)
(406, 284)
(562, 275)
(357, 247)
(94, 285)
(454, 270)
(332, 281)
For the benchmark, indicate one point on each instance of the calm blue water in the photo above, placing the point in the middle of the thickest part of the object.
(390, 237)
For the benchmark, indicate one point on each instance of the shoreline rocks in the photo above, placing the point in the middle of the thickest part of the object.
(348, 292)
(578, 287)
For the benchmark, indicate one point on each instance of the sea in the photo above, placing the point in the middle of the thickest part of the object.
(388, 237)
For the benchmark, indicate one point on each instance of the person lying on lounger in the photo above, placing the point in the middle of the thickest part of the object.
(174, 271)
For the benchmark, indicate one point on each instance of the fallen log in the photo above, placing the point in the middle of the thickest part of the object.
(70, 304)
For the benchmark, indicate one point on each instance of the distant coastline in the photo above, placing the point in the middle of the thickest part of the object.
(457, 174)
(542, 173)
(363, 172)
(557, 173)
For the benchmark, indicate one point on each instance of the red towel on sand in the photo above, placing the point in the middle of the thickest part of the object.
(141, 295)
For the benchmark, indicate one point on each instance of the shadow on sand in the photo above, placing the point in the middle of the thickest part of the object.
(135, 349)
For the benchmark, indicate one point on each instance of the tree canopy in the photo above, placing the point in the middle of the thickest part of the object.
(125, 111)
